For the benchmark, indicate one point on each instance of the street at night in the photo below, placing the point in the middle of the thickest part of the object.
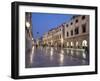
(55, 43)
(54, 57)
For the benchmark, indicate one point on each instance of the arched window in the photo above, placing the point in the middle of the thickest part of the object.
(84, 28)
(83, 17)
(76, 30)
(84, 43)
(67, 43)
(71, 32)
(67, 34)
(67, 25)
(72, 44)
(76, 21)
(77, 43)
(71, 23)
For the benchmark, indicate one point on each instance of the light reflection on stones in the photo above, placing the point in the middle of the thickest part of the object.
(51, 53)
(56, 48)
(77, 53)
(72, 52)
(32, 55)
(51, 56)
(84, 55)
(61, 57)
(41, 48)
(83, 61)
(46, 50)
(71, 58)
(67, 51)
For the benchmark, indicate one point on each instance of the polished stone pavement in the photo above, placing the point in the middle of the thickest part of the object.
(54, 57)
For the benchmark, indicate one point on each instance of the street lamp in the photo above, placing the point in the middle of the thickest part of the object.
(27, 24)
(32, 39)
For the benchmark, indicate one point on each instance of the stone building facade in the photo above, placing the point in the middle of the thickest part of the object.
(72, 34)
(77, 32)
(28, 31)
(54, 37)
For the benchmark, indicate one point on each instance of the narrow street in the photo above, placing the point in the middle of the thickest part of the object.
(54, 57)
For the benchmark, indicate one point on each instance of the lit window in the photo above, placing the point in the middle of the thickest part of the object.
(84, 43)
(76, 43)
(72, 44)
(67, 43)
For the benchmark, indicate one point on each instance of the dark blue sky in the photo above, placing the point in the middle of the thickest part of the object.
(43, 22)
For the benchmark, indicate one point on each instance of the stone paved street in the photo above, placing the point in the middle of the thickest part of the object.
(54, 57)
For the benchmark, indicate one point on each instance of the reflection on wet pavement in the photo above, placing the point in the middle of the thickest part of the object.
(53, 57)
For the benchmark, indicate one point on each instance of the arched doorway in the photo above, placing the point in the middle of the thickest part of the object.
(77, 44)
(84, 43)
(72, 44)
(67, 44)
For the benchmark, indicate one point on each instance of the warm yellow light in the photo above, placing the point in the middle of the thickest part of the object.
(76, 43)
(32, 55)
(67, 43)
(51, 53)
(61, 57)
(72, 44)
(51, 42)
(27, 24)
(62, 40)
(32, 38)
(84, 43)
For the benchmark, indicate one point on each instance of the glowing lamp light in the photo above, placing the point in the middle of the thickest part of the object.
(32, 38)
(27, 24)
